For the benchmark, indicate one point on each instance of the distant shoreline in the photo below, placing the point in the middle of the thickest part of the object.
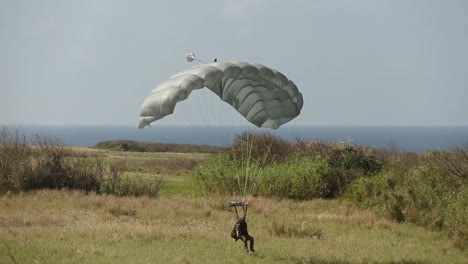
(405, 138)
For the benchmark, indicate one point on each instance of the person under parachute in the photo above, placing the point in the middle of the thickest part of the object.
(264, 96)
(240, 230)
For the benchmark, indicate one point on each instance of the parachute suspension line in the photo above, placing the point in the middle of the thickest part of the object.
(252, 189)
(235, 164)
(239, 173)
(249, 164)
(200, 61)
(248, 172)
(190, 56)
(288, 104)
(183, 122)
(244, 176)
(207, 109)
(202, 109)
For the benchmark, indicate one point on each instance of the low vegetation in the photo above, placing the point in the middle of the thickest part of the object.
(429, 189)
(312, 202)
(269, 166)
(50, 226)
(46, 163)
(128, 145)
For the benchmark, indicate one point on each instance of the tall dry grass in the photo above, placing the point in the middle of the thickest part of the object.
(71, 227)
(46, 163)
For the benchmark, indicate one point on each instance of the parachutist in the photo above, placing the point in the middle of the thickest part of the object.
(240, 232)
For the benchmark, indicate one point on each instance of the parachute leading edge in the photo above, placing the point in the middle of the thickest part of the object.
(264, 96)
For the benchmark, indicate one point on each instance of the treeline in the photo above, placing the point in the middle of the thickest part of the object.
(429, 189)
(135, 146)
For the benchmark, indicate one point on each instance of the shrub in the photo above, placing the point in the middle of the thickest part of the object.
(266, 165)
(315, 149)
(429, 189)
(428, 193)
(46, 163)
(451, 166)
(353, 158)
(219, 174)
(262, 149)
(297, 178)
(56, 166)
(15, 160)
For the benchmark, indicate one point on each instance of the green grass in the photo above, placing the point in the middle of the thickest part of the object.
(71, 227)
(174, 183)
(60, 226)
(177, 184)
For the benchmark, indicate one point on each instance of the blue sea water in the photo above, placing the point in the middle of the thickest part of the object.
(412, 139)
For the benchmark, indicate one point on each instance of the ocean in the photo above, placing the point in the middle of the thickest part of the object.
(411, 139)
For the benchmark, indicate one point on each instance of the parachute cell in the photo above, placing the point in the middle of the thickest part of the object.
(264, 96)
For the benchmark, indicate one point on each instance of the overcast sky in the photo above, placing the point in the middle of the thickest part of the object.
(366, 62)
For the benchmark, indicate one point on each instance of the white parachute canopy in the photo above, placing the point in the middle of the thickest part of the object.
(264, 96)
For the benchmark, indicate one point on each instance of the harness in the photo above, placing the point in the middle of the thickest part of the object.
(240, 229)
(232, 206)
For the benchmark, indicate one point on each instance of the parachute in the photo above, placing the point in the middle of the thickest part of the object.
(190, 56)
(264, 96)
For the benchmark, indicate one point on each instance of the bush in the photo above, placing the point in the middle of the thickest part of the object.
(55, 166)
(48, 164)
(262, 149)
(429, 189)
(297, 178)
(263, 164)
(15, 161)
(427, 194)
(219, 174)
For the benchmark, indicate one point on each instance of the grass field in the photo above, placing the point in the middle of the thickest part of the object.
(53, 226)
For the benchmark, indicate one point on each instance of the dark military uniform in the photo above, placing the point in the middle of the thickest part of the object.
(240, 232)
